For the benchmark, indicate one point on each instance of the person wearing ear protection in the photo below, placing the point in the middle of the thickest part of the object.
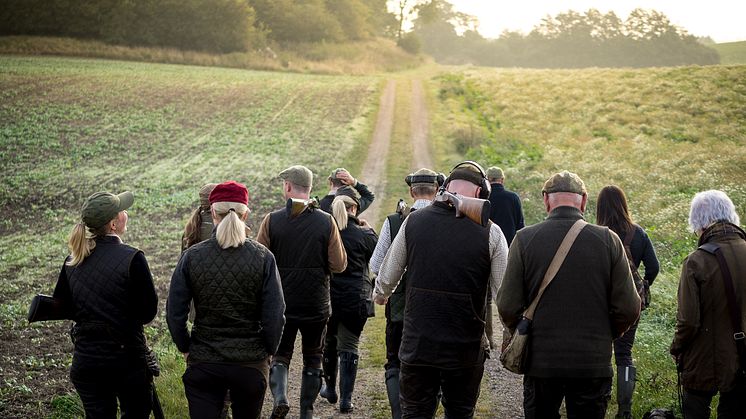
(450, 263)
(423, 185)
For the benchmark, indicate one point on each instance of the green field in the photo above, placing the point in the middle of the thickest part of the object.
(732, 52)
(660, 134)
(69, 127)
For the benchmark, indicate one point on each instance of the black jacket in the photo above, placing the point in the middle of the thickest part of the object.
(643, 252)
(351, 290)
(506, 211)
(366, 198)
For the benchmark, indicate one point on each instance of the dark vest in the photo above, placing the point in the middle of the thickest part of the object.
(226, 286)
(395, 305)
(106, 328)
(448, 270)
(301, 248)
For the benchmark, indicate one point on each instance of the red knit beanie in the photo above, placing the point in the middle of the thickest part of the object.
(230, 191)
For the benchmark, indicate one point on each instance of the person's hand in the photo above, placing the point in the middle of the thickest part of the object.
(380, 300)
(346, 178)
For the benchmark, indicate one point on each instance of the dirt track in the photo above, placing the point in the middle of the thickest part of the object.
(501, 390)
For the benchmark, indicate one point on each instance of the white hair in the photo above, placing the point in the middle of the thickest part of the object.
(709, 207)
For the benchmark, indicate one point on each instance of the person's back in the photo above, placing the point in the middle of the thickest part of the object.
(300, 245)
(505, 205)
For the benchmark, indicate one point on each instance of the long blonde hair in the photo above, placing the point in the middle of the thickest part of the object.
(340, 205)
(231, 230)
(82, 242)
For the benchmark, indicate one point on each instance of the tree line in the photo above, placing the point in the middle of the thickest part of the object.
(568, 40)
(220, 26)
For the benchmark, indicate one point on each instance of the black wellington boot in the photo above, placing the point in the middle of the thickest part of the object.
(309, 388)
(392, 389)
(329, 387)
(278, 385)
(347, 375)
(625, 388)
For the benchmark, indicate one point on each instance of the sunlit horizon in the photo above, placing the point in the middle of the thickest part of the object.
(721, 20)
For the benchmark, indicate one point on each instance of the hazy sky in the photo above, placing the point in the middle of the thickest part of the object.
(723, 20)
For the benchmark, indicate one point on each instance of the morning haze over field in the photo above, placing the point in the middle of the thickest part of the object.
(160, 98)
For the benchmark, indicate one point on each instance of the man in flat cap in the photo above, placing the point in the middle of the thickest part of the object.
(308, 249)
(505, 205)
(340, 178)
(423, 185)
(450, 264)
(591, 301)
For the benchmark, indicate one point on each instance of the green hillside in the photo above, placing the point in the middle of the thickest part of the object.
(732, 52)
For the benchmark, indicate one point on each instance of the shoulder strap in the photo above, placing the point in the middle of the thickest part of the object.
(730, 293)
(555, 265)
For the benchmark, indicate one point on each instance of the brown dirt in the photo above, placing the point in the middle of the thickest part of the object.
(419, 125)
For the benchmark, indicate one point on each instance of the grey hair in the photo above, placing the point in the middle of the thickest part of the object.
(709, 207)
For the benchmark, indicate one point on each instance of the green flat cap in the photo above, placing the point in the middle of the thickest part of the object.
(564, 181)
(298, 175)
(102, 207)
(335, 171)
(495, 172)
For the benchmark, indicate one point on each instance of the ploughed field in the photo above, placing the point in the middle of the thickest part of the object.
(71, 127)
(661, 134)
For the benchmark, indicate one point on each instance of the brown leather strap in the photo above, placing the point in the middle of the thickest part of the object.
(555, 265)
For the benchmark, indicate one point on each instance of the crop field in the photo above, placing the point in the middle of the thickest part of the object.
(660, 134)
(71, 127)
(732, 52)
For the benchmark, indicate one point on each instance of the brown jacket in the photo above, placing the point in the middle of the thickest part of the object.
(703, 341)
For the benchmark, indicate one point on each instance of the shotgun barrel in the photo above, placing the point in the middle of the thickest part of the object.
(475, 209)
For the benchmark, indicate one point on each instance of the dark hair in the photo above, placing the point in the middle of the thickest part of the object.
(191, 230)
(612, 210)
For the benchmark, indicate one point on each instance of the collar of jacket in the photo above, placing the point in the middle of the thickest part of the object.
(109, 238)
(720, 229)
(497, 186)
(565, 212)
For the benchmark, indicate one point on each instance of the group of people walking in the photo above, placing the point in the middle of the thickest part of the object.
(317, 267)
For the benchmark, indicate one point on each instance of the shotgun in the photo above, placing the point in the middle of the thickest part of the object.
(475, 209)
(294, 207)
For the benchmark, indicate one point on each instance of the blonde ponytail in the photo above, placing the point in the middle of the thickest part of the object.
(80, 244)
(339, 210)
(231, 231)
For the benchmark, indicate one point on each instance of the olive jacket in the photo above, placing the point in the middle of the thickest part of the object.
(703, 342)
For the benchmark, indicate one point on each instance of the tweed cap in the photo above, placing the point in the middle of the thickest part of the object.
(424, 177)
(351, 192)
(298, 175)
(333, 175)
(204, 194)
(495, 172)
(102, 207)
(564, 181)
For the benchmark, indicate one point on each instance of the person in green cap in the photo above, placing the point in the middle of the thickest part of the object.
(341, 179)
(108, 289)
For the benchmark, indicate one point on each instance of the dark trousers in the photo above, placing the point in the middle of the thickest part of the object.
(206, 385)
(100, 388)
(585, 398)
(732, 404)
(312, 345)
(623, 347)
(394, 332)
(419, 387)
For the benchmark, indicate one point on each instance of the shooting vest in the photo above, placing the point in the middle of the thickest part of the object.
(226, 285)
(106, 327)
(395, 306)
(448, 271)
(301, 247)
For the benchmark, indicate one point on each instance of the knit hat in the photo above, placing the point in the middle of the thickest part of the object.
(102, 207)
(564, 181)
(204, 194)
(495, 172)
(230, 191)
(297, 175)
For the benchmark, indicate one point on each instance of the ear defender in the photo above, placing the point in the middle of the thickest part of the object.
(484, 184)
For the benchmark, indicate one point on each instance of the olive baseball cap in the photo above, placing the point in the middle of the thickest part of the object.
(102, 207)
(564, 181)
(495, 172)
(298, 175)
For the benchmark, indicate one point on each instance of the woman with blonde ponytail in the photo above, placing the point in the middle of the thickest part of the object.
(110, 291)
(235, 287)
(352, 303)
